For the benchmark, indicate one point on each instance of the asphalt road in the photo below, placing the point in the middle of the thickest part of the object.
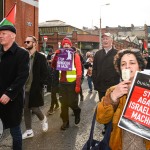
(55, 139)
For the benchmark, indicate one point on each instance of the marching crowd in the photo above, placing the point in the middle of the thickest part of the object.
(24, 72)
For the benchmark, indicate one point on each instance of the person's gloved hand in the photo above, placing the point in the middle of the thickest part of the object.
(77, 89)
(57, 51)
(55, 58)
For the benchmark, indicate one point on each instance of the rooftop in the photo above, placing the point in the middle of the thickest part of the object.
(53, 23)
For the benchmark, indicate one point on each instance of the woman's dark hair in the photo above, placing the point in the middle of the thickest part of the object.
(136, 52)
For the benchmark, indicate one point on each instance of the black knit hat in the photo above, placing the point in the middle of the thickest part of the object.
(8, 27)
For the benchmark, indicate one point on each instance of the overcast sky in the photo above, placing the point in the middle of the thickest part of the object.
(86, 13)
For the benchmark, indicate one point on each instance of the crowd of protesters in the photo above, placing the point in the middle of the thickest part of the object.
(29, 71)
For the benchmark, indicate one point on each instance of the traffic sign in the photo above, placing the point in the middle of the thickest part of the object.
(45, 38)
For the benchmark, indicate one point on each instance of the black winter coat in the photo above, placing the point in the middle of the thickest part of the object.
(40, 76)
(104, 74)
(14, 71)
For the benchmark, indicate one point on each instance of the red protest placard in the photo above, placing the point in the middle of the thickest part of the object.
(135, 117)
(138, 108)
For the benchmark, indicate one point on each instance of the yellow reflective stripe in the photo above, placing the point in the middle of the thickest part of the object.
(71, 76)
(71, 79)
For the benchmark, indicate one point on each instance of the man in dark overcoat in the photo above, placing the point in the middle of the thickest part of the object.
(34, 97)
(104, 74)
(14, 71)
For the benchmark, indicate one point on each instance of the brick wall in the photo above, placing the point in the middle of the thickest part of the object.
(26, 19)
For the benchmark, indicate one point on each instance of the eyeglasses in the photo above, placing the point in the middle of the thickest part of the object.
(132, 50)
(27, 42)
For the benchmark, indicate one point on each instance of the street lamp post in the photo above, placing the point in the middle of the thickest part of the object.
(100, 29)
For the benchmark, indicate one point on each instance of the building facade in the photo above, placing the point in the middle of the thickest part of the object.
(56, 30)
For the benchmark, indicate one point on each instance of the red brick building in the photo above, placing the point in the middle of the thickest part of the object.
(26, 17)
(56, 30)
(86, 40)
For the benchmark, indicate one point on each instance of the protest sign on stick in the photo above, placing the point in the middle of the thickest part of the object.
(65, 60)
(136, 114)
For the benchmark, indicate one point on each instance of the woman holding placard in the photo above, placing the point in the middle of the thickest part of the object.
(127, 62)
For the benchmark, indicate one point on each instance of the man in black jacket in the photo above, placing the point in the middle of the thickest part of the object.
(104, 73)
(34, 98)
(14, 71)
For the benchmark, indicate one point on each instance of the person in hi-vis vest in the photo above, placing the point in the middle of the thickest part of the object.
(70, 82)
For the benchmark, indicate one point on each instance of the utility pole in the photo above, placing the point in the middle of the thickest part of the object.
(100, 29)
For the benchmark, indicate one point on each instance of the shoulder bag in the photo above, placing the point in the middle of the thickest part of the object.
(92, 144)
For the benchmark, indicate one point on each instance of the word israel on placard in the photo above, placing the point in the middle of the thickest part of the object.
(65, 60)
(138, 109)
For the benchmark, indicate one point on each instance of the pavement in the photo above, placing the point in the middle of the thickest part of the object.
(55, 139)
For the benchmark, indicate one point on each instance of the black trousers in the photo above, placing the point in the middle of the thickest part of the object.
(68, 98)
(54, 100)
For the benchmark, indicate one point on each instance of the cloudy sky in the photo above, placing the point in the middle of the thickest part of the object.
(86, 13)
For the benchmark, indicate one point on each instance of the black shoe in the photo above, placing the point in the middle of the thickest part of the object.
(77, 117)
(65, 125)
(77, 120)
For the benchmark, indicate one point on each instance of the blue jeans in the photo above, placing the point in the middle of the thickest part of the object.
(89, 82)
(17, 137)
